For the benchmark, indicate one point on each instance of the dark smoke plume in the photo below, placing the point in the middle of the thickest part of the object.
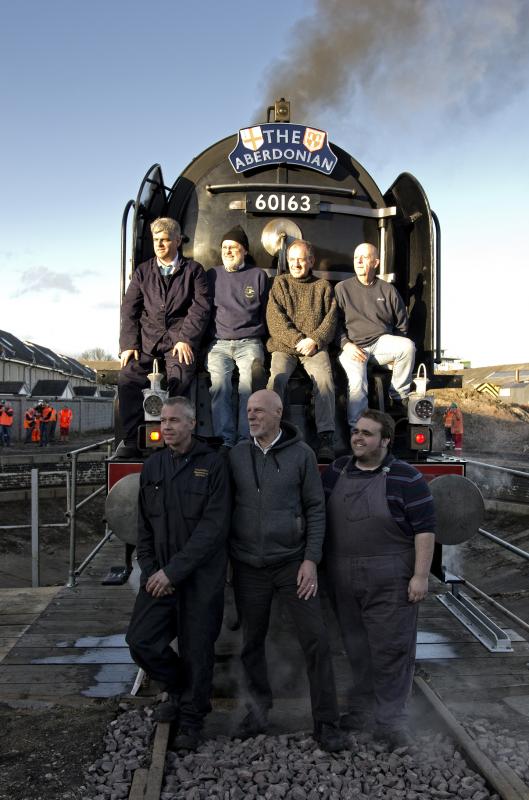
(395, 58)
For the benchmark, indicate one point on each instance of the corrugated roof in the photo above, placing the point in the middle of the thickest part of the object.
(12, 348)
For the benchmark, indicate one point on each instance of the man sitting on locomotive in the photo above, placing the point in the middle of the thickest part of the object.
(301, 317)
(239, 293)
(164, 314)
(372, 326)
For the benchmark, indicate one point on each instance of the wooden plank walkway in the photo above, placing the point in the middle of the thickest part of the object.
(57, 644)
(75, 647)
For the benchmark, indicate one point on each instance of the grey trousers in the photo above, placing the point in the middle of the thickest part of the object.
(318, 368)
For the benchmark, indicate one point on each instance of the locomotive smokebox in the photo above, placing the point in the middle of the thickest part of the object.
(279, 175)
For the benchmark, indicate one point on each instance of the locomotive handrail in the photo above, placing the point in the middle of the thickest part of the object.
(437, 343)
(130, 204)
(360, 211)
(497, 466)
(281, 187)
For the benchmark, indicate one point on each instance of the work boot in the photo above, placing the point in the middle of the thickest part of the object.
(329, 736)
(356, 721)
(392, 738)
(325, 452)
(167, 711)
(187, 739)
(254, 723)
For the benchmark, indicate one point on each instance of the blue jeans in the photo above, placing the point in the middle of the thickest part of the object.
(386, 349)
(223, 356)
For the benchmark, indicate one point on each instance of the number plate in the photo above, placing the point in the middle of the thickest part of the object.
(282, 203)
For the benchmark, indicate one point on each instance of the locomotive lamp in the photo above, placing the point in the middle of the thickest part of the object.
(154, 398)
(420, 413)
(282, 110)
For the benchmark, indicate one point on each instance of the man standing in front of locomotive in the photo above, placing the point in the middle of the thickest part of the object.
(239, 292)
(276, 540)
(301, 317)
(378, 552)
(183, 522)
(372, 326)
(164, 314)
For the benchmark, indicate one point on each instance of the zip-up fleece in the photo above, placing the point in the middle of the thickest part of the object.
(279, 506)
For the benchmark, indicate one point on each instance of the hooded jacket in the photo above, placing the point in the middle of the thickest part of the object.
(279, 507)
(183, 515)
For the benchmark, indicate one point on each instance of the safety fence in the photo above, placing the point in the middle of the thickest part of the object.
(70, 477)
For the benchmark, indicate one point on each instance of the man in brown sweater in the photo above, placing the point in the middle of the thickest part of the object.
(301, 318)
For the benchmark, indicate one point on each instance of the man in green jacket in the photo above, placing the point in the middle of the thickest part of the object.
(277, 533)
(301, 316)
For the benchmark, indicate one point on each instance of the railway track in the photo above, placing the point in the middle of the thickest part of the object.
(289, 767)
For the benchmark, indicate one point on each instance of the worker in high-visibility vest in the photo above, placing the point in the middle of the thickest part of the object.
(453, 425)
(29, 424)
(53, 423)
(6, 421)
(65, 418)
(45, 419)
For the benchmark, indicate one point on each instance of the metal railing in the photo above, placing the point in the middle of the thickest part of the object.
(35, 524)
(72, 507)
(74, 572)
(518, 551)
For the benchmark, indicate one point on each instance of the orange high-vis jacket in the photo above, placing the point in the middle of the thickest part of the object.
(53, 416)
(29, 418)
(454, 420)
(6, 416)
(65, 417)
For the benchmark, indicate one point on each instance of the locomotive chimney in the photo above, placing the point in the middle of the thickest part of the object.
(281, 109)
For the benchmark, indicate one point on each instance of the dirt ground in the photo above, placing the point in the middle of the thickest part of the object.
(45, 749)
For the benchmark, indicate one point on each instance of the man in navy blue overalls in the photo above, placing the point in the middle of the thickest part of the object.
(379, 547)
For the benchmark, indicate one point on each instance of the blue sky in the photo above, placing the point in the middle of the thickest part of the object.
(93, 93)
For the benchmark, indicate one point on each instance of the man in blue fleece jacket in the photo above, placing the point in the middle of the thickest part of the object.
(239, 292)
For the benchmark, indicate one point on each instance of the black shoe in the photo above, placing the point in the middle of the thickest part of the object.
(329, 737)
(188, 739)
(254, 723)
(167, 711)
(356, 721)
(127, 451)
(325, 451)
(393, 738)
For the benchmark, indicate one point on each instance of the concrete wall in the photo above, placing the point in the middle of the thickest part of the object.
(89, 414)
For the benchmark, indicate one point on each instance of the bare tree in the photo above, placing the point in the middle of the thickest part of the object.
(96, 354)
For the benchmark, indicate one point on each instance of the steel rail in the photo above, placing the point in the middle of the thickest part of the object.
(500, 775)
(522, 623)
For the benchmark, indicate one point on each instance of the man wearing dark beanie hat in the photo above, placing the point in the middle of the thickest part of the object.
(239, 293)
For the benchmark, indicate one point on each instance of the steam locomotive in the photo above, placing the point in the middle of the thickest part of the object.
(281, 180)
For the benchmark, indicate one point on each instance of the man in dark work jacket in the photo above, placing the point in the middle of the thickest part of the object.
(164, 314)
(183, 519)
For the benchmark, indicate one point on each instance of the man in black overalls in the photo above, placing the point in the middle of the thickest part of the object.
(378, 548)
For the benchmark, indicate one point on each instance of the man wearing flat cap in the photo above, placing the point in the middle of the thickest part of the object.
(239, 292)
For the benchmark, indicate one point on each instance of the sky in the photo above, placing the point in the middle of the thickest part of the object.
(93, 93)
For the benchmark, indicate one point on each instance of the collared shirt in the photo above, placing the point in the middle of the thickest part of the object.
(268, 446)
(168, 269)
